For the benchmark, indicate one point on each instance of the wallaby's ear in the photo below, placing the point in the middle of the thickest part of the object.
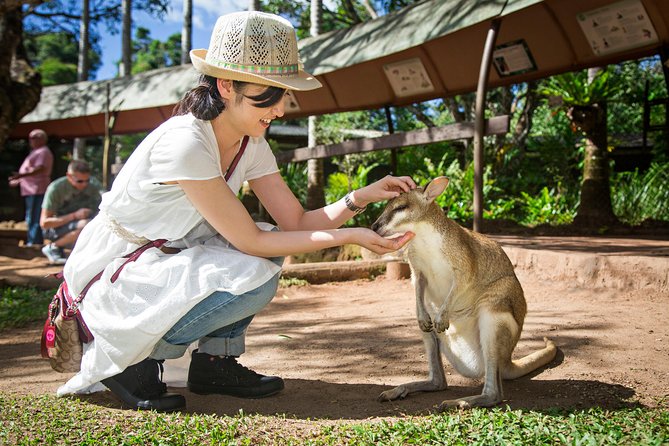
(435, 188)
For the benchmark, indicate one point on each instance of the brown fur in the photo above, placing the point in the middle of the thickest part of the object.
(469, 303)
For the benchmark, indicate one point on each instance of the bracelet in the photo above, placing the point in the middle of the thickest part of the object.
(352, 206)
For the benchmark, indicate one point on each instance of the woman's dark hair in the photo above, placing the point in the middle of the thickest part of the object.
(205, 102)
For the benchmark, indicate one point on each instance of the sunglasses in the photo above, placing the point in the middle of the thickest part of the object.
(78, 181)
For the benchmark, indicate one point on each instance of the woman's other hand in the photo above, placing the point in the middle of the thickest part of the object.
(386, 188)
(381, 245)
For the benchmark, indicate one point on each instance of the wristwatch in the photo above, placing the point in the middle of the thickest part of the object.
(352, 206)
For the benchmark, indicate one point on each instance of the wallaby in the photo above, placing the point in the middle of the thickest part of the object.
(469, 302)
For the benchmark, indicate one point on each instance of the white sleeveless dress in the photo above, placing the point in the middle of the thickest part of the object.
(128, 317)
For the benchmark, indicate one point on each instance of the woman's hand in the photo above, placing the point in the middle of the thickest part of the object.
(386, 188)
(381, 245)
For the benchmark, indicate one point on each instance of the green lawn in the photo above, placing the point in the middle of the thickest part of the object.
(45, 420)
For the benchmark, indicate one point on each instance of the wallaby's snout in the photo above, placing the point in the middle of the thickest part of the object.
(402, 213)
(390, 219)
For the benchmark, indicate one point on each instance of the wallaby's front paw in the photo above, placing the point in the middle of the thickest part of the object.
(425, 325)
(393, 394)
(441, 324)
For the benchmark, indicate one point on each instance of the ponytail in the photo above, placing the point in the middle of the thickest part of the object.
(203, 101)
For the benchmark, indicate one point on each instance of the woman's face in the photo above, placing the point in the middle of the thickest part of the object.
(245, 113)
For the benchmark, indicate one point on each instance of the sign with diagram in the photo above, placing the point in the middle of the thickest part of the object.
(513, 58)
(617, 27)
(408, 77)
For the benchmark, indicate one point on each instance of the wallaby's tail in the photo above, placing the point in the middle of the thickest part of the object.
(531, 362)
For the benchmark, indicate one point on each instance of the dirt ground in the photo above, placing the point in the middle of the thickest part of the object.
(339, 345)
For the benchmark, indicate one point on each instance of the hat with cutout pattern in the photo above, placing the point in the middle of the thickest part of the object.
(254, 47)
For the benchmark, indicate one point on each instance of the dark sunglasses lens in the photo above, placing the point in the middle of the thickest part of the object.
(82, 181)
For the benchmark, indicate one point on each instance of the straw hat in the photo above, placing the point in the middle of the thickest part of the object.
(254, 47)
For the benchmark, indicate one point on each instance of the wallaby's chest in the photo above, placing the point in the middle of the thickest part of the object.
(427, 257)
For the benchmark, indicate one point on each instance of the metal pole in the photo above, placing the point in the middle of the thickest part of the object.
(391, 130)
(479, 122)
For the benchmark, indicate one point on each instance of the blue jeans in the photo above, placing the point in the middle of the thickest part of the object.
(218, 322)
(33, 211)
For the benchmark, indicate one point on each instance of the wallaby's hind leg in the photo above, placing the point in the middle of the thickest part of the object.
(437, 377)
(498, 336)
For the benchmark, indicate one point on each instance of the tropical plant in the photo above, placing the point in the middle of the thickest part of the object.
(549, 206)
(639, 196)
(577, 89)
(584, 95)
(55, 57)
(295, 176)
(149, 54)
(339, 184)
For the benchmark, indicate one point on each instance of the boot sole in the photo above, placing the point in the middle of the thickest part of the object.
(239, 392)
(168, 402)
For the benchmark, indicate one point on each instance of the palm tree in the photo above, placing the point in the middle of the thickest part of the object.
(187, 32)
(126, 39)
(315, 175)
(79, 144)
(584, 95)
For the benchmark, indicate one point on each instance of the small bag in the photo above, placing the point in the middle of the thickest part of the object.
(65, 331)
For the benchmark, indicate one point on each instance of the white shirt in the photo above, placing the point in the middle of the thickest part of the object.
(128, 317)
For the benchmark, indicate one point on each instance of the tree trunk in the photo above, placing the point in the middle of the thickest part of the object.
(595, 209)
(315, 175)
(79, 146)
(20, 85)
(126, 39)
(461, 109)
(254, 5)
(187, 32)
(523, 126)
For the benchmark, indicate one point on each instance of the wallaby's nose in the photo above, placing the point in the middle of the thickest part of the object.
(376, 226)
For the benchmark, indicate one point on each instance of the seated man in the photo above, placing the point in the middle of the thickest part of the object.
(69, 203)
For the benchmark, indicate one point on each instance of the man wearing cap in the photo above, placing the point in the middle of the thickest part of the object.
(202, 268)
(33, 178)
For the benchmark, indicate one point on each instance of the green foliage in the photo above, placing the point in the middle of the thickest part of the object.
(457, 199)
(55, 56)
(339, 184)
(73, 421)
(549, 206)
(575, 89)
(56, 72)
(640, 196)
(149, 54)
(295, 176)
(286, 282)
(20, 306)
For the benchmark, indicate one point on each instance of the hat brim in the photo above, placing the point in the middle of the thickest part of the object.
(302, 81)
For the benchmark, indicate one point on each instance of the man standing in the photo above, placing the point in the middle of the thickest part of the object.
(33, 178)
(69, 204)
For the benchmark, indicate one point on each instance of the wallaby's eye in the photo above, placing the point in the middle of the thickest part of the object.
(401, 207)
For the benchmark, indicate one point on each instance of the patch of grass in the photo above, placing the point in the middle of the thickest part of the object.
(285, 282)
(44, 420)
(20, 306)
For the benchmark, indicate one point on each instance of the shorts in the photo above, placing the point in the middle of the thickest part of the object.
(54, 234)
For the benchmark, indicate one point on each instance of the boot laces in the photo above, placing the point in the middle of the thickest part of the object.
(151, 383)
(232, 368)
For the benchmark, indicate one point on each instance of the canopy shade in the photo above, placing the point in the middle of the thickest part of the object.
(429, 50)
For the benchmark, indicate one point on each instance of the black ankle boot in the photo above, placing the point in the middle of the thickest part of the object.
(140, 386)
(224, 375)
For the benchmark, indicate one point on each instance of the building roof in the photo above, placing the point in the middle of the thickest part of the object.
(428, 50)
